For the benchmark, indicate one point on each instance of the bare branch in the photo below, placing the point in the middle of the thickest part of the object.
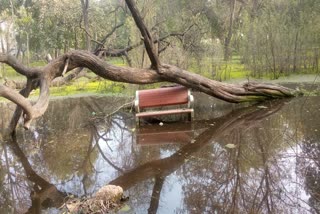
(25, 92)
(19, 67)
(85, 30)
(18, 99)
(126, 105)
(65, 67)
(124, 51)
(174, 34)
(103, 41)
(164, 48)
(147, 38)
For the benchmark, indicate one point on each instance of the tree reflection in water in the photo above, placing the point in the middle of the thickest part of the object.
(273, 167)
(310, 165)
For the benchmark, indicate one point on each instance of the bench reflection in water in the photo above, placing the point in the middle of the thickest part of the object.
(168, 133)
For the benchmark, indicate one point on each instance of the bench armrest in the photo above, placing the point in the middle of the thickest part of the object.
(190, 99)
(136, 102)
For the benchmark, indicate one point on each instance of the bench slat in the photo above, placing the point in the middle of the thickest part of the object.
(164, 112)
(163, 97)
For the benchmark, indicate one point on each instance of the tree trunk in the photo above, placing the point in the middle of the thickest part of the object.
(85, 14)
(2, 45)
(295, 52)
(75, 39)
(227, 51)
(252, 40)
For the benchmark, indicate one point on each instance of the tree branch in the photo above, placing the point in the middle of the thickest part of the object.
(147, 38)
(103, 41)
(65, 67)
(228, 92)
(18, 99)
(25, 92)
(124, 51)
(18, 67)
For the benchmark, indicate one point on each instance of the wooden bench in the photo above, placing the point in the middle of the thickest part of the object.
(167, 96)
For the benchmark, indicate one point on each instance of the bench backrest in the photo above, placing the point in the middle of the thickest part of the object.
(162, 97)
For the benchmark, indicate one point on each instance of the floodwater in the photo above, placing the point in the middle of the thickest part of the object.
(259, 159)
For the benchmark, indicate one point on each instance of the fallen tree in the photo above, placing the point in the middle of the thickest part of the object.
(158, 72)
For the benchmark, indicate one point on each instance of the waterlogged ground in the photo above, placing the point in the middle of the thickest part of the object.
(259, 159)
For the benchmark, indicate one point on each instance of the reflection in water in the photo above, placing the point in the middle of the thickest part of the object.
(42, 193)
(261, 159)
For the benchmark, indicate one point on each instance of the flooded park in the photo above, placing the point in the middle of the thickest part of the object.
(262, 158)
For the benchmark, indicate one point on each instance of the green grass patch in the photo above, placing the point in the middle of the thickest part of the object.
(38, 64)
(118, 61)
(8, 72)
(229, 71)
(83, 87)
(218, 69)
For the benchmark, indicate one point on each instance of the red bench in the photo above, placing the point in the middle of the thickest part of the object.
(163, 97)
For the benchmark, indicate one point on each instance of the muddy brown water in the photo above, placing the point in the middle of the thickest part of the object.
(233, 159)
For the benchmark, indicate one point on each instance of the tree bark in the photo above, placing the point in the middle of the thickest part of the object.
(85, 14)
(228, 92)
(147, 38)
(227, 51)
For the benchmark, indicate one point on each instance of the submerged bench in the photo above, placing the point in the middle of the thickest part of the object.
(167, 96)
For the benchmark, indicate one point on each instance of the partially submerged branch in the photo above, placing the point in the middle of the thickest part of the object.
(228, 92)
(245, 117)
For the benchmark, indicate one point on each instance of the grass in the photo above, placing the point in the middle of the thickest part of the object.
(7, 71)
(85, 87)
(118, 61)
(232, 71)
(220, 70)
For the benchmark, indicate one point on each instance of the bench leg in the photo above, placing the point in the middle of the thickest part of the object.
(137, 121)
